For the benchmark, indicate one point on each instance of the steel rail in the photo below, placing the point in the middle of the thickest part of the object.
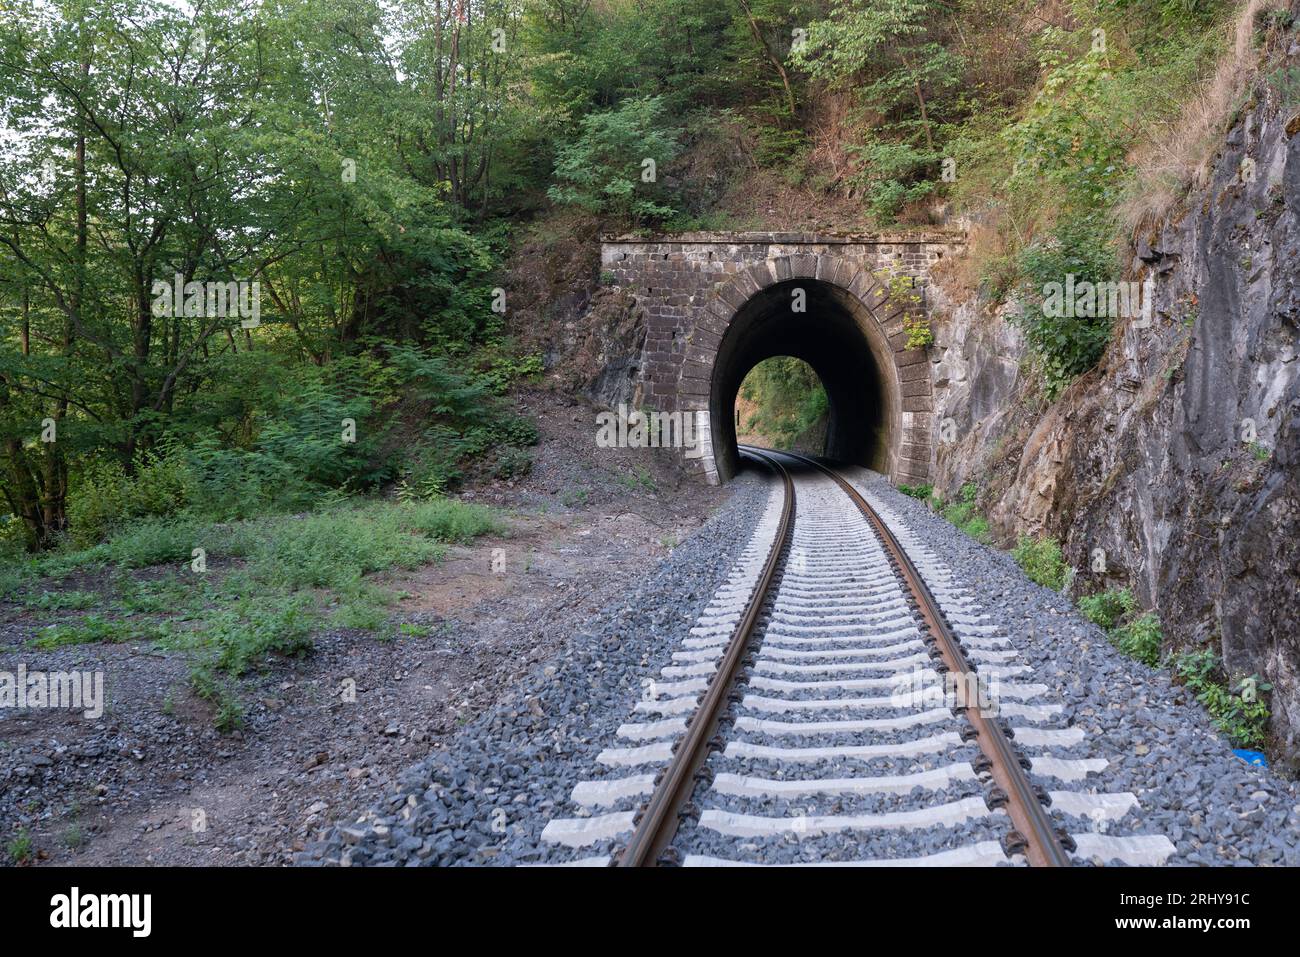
(661, 814)
(1033, 834)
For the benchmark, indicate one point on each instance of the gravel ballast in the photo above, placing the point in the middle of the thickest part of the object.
(487, 798)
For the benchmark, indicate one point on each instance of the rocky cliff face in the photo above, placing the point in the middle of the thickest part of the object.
(1179, 456)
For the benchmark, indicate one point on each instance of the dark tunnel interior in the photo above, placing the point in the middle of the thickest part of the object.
(840, 340)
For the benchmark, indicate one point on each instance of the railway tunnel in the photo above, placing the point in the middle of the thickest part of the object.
(717, 304)
(830, 330)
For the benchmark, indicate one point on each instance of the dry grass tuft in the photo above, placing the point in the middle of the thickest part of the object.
(1178, 156)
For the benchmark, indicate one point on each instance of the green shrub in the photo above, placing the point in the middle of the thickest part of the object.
(236, 638)
(1140, 638)
(1242, 713)
(103, 497)
(1106, 609)
(601, 170)
(323, 550)
(19, 847)
(963, 513)
(1041, 561)
(208, 685)
(1065, 345)
(893, 175)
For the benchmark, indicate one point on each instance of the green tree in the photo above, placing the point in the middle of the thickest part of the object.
(896, 57)
(615, 165)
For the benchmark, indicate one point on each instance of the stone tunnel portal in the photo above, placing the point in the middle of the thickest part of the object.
(841, 341)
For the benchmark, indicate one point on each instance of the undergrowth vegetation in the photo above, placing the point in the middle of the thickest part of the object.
(1238, 708)
(231, 595)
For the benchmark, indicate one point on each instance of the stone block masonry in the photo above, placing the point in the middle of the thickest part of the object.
(690, 286)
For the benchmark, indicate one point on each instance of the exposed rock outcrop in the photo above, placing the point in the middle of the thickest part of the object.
(1179, 456)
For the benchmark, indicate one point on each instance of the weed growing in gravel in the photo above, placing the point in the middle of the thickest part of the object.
(964, 515)
(333, 549)
(641, 478)
(171, 595)
(267, 602)
(208, 685)
(923, 492)
(1041, 560)
(62, 600)
(362, 606)
(1106, 609)
(74, 837)
(574, 496)
(1140, 638)
(93, 628)
(240, 637)
(1239, 711)
(19, 847)
(447, 520)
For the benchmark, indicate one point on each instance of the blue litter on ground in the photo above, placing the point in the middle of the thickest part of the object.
(1251, 757)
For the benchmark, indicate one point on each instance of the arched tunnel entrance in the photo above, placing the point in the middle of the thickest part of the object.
(836, 335)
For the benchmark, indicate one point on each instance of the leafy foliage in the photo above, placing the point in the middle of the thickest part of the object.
(1239, 710)
(1140, 638)
(1041, 560)
(1106, 609)
(612, 167)
(1067, 345)
(965, 514)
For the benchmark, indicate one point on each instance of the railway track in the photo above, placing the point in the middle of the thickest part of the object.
(842, 701)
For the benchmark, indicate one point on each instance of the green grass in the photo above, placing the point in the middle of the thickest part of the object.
(1241, 711)
(265, 595)
(62, 600)
(296, 550)
(333, 549)
(362, 606)
(1041, 560)
(241, 635)
(95, 628)
(447, 520)
(179, 595)
(19, 847)
(963, 513)
(923, 492)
